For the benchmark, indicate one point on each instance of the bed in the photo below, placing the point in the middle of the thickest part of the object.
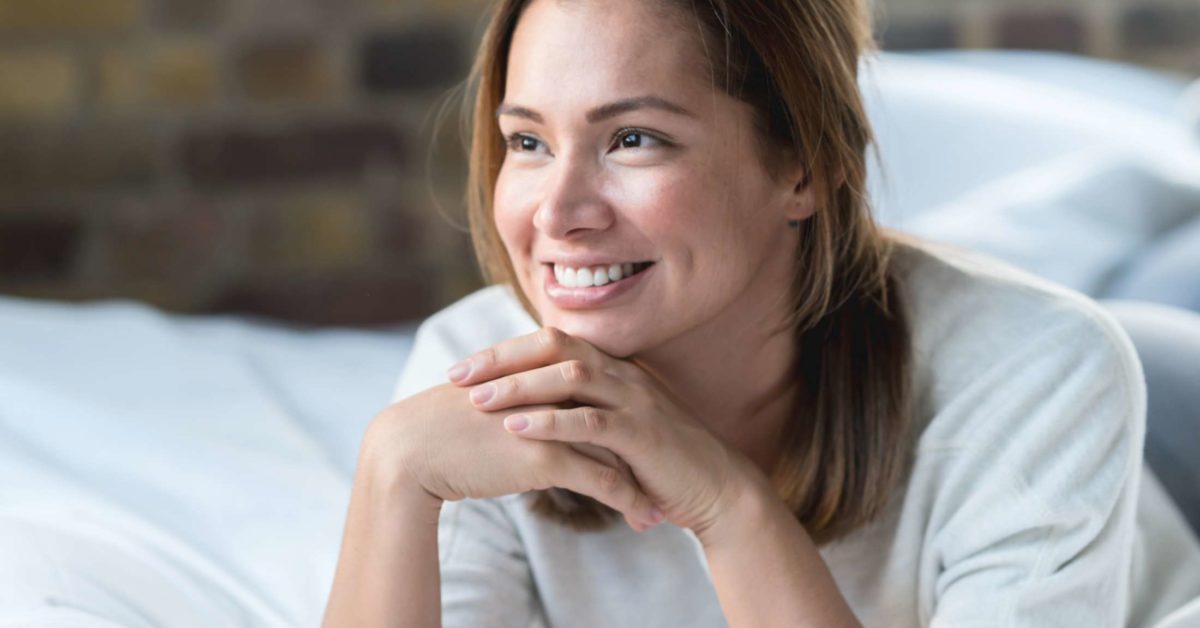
(168, 470)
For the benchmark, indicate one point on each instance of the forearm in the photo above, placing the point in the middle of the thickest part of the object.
(387, 571)
(766, 569)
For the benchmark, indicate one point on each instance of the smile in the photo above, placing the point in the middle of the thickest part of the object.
(592, 286)
(598, 276)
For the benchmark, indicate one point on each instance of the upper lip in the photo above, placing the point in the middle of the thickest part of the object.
(588, 261)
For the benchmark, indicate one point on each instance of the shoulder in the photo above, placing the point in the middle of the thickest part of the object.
(478, 320)
(1030, 407)
(990, 340)
(479, 317)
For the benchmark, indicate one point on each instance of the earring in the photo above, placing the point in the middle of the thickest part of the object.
(793, 223)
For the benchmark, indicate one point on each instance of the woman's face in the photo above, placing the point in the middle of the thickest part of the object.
(623, 156)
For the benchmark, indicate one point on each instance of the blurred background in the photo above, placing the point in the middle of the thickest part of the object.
(280, 157)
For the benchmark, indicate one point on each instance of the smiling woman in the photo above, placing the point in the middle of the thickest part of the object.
(602, 163)
(697, 327)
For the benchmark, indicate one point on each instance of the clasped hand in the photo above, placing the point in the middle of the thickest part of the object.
(558, 388)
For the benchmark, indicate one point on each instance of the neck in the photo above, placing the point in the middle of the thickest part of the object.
(736, 372)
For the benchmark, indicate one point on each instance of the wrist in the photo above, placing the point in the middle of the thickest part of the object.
(386, 478)
(744, 508)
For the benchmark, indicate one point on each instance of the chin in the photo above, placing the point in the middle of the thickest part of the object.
(598, 329)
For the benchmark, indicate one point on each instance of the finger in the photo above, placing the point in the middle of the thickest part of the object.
(541, 348)
(584, 424)
(604, 456)
(607, 457)
(572, 380)
(606, 485)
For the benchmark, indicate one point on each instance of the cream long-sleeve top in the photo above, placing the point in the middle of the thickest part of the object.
(1027, 504)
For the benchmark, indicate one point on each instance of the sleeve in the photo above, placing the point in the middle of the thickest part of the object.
(486, 580)
(1033, 520)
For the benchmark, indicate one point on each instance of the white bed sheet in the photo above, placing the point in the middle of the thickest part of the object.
(173, 471)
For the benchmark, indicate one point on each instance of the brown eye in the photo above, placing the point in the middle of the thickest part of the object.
(520, 143)
(636, 138)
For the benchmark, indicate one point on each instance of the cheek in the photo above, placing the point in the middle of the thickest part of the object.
(513, 212)
(658, 204)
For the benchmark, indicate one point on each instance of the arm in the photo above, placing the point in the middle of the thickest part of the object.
(387, 571)
(766, 569)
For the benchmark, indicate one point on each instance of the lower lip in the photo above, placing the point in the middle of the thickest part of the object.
(586, 298)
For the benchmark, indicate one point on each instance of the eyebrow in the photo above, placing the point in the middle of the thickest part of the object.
(603, 112)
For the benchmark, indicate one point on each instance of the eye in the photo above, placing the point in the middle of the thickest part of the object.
(521, 143)
(636, 138)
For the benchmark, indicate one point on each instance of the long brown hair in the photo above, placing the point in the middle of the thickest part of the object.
(796, 63)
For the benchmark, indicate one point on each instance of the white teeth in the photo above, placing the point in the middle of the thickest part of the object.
(588, 277)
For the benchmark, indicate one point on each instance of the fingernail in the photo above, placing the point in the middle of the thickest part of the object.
(483, 394)
(516, 423)
(459, 371)
(657, 516)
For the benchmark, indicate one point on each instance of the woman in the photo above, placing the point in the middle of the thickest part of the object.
(696, 326)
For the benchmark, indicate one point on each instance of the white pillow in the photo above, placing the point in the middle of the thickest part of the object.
(1076, 220)
(948, 123)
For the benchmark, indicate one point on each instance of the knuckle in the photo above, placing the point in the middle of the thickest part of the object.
(594, 421)
(489, 357)
(608, 479)
(551, 339)
(576, 372)
(509, 387)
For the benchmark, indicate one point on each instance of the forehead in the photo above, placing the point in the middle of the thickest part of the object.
(579, 53)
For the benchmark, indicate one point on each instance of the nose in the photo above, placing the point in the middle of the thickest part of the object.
(572, 204)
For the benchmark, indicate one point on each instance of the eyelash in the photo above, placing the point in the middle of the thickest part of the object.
(512, 142)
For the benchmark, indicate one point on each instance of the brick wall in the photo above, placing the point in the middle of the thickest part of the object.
(278, 157)
(1156, 33)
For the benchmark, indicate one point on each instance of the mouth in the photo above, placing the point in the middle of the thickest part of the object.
(597, 276)
(593, 287)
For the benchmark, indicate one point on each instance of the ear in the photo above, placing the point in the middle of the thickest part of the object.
(802, 199)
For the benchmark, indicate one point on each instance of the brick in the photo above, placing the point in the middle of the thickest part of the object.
(1041, 30)
(475, 7)
(118, 81)
(1161, 26)
(183, 73)
(935, 33)
(38, 247)
(251, 155)
(38, 82)
(353, 299)
(48, 158)
(283, 70)
(190, 15)
(70, 16)
(319, 231)
(171, 241)
(412, 60)
(446, 8)
(290, 15)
